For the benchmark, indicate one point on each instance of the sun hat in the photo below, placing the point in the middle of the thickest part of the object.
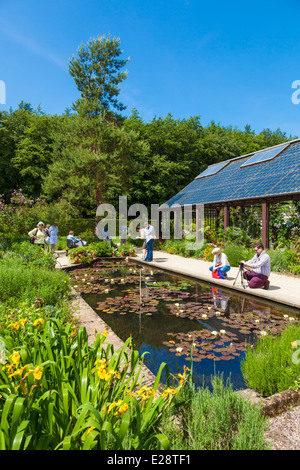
(216, 251)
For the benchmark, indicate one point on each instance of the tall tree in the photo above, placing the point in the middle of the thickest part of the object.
(97, 71)
(93, 162)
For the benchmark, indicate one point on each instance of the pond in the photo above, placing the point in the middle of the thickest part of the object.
(175, 319)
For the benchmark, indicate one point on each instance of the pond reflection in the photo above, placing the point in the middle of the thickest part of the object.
(176, 320)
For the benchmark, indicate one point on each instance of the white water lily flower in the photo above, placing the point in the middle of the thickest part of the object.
(204, 315)
(291, 318)
(218, 313)
(263, 333)
(122, 281)
(179, 349)
(177, 305)
(222, 332)
(106, 280)
(215, 333)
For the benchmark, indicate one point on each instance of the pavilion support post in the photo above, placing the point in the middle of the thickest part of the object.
(217, 213)
(199, 222)
(226, 217)
(265, 224)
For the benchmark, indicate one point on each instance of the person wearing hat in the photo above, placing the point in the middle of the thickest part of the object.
(220, 262)
(39, 235)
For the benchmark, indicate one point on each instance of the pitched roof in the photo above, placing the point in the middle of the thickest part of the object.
(270, 172)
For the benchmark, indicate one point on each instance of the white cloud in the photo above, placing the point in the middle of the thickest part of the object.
(31, 45)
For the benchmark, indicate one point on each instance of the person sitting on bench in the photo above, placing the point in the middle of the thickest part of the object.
(73, 242)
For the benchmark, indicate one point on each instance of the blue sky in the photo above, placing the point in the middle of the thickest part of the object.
(231, 62)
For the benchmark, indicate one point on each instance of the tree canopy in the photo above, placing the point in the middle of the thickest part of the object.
(98, 71)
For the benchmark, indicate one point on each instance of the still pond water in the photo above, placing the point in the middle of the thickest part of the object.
(174, 319)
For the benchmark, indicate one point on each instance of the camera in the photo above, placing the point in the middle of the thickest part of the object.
(242, 265)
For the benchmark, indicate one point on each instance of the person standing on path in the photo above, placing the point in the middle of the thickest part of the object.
(149, 238)
(53, 236)
(39, 235)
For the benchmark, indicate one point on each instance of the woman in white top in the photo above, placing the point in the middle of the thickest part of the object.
(38, 234)
(220, 262)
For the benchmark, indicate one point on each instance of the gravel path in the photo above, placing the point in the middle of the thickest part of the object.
(284, 431)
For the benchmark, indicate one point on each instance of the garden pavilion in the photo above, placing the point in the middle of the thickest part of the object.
(264, 177)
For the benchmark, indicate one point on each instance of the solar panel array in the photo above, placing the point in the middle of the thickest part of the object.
(237, 180)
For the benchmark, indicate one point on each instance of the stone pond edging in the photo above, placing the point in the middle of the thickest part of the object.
(275, 405)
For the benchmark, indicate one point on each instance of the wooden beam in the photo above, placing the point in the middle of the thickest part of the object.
(226, 217)
(265, 224)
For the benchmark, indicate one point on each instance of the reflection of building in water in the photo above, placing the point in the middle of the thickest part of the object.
(220, 299)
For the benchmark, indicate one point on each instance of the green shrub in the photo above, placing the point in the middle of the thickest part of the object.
(279, 261)
(219, 419)
(19, 282)
(32, 254)
(125, 249)
(271, 367)
(85, 254)
(237, 253)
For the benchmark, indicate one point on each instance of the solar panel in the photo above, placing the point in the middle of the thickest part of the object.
(239, 180)
(259, 157)
(212, 170)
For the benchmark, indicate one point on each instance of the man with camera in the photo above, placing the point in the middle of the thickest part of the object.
(257, 269)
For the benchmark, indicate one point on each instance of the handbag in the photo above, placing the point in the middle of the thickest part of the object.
(215, 275)
(218, 274)
(32, 239)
